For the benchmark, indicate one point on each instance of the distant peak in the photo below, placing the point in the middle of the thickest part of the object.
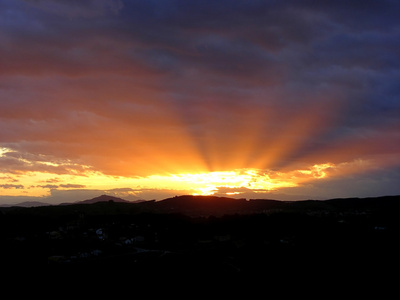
(102, 198)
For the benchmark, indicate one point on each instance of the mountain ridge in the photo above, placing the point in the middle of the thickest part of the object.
(214, 205)
(27, 204)
(101, 198)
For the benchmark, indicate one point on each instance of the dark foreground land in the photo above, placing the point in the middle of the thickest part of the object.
(208, 236)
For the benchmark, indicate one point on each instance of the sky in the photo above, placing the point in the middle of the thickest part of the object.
(146, 99)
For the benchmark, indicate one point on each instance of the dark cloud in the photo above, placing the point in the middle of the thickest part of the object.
(76, 8)
(72, 186)
(11, 186)
(47, 186)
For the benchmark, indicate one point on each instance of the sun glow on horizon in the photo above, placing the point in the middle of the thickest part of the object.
(237, 181)
(66, 175)
(211, 182)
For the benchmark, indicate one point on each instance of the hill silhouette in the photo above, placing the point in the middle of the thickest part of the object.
(206, 235)
(201, 205)
(26, 204)
(195, 206)
(102, 198)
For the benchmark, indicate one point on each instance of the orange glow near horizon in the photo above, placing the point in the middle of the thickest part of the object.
(248, 156)
(230, 183)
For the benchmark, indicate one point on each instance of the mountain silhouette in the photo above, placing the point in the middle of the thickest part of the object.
(102, 198)
(213, 205)
(218, 206)
(200, 205)
(27, 204)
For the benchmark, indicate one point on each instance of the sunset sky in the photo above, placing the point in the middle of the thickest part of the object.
(146, 99)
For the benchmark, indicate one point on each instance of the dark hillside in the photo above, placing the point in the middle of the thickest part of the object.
(201, 205)
(207, 235)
